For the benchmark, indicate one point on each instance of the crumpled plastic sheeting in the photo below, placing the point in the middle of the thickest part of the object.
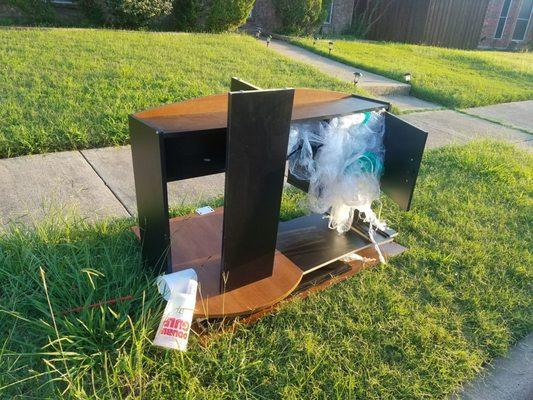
(343, 160)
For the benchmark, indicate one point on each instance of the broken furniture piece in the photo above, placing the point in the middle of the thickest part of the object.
(246, 260)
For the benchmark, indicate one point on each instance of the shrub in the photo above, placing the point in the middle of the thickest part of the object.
(126, 13)
(227, 15)
(301, 16)
(211, 15)
(35, 10)
(186, 14)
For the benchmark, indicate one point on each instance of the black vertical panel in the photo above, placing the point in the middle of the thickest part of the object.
(151, 192)
(258, 134)
(404, 146)
(238, 84)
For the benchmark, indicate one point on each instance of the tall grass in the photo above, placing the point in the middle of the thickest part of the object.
(416, 328)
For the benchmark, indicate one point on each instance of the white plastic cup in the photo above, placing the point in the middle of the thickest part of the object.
(175, 326)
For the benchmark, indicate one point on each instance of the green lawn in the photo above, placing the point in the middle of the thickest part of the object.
(413, 329)
(453, 78)
(65, 89)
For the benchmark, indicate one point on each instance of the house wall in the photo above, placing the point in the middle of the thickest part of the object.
(492, 17)
(341, 18)
(264, 16)
(446, 23)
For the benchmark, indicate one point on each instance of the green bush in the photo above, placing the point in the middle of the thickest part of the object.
(186, 14)
(126, 13)
(227, 15)
(35, 10)
(301, 16)
(211, 15)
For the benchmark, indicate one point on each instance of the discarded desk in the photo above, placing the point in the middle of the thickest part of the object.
(246, 260)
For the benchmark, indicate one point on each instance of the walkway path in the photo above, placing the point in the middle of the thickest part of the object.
(388, 89)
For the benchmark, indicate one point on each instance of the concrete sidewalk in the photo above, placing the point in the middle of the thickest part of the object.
(453, 127)
(114, 167)
(33, 186)
(507, 378)
(94, 183)
(99, 182)
(515, 115)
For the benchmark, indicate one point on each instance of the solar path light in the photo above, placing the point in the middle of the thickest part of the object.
(357, 77)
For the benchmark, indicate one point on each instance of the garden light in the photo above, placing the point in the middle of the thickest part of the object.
(330, 46)
(269, 38)
(407, 77)
(356, 77)
(258, 33)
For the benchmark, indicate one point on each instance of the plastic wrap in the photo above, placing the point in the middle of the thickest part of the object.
(343, 160)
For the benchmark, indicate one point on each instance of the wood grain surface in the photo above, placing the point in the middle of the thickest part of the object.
(197, 243)
(211, 112)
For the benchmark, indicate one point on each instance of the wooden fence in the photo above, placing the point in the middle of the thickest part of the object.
(446, 23)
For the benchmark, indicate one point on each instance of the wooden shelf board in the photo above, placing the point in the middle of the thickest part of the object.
(211, 112)
(304, 245)
(197, 242)
(390, 249)
(309, 243)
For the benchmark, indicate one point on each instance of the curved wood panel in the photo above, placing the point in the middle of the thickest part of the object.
(197, 243)
(249, 298)
(211, 112)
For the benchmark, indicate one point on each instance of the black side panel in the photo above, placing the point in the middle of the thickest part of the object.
(151, 191)
(258, 134)
(238, 84)
(404, 146)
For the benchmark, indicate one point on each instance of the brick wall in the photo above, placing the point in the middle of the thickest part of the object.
(341, 19)
(9, 12)
(264, 16)
(492, 18)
